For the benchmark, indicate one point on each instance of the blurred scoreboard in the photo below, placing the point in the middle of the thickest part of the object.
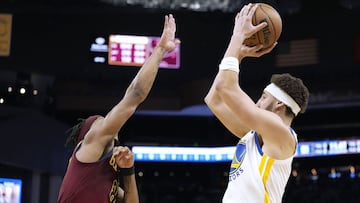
(129, 50)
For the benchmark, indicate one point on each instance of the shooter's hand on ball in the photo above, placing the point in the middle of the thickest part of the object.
(243, 29)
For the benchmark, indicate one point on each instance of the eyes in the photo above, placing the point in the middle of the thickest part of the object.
(263, 96)
(261, 99)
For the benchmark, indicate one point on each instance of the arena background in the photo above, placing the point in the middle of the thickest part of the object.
(45, 48)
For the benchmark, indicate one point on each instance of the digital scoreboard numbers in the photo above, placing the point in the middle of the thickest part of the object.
(126, 50)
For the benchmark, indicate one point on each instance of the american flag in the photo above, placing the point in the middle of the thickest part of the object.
(297, 53)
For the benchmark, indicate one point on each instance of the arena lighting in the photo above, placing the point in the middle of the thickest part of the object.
(194, 5)
(294, 173)
(225, 154)
(352, 173)
(182, 154)
(334, 174)
(22, 90)
(314, 175)
(35, 92)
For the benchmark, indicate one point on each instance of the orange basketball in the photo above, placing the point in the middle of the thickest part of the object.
(269, 34)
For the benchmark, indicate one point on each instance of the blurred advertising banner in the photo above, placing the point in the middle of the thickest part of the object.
(5, 34)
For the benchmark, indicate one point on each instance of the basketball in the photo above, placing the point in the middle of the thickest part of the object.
(269, 34)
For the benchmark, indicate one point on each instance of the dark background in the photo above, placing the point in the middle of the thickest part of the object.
(50, 45)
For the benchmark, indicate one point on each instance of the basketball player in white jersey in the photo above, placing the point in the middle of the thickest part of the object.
(262, 161)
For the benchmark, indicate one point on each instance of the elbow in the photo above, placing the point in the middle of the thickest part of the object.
(212, 99)
(137, 94)
(214, 95)
(207, 99)
(140, 94)
(220, 87)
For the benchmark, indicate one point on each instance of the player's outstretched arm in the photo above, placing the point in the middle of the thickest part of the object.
(142, 83)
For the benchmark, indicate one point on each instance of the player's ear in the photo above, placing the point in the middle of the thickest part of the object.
(279, 105)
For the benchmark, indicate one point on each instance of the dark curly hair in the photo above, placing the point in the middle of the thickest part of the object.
(73, 134)
(78, 131)
(294, 87)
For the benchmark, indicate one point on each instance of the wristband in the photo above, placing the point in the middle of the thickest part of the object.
(127, 171)
(229, 63)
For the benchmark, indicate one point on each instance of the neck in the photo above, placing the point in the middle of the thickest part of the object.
(287, 120)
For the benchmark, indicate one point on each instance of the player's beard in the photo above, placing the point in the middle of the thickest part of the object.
(271, 106)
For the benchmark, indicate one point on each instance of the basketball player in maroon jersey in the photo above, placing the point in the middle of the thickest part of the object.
(94, 168)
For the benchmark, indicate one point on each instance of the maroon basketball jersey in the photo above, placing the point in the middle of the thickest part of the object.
(90, 182)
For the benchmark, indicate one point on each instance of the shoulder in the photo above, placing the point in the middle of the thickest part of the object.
(284, 148)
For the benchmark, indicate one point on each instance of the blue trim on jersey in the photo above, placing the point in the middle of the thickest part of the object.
(258, 143)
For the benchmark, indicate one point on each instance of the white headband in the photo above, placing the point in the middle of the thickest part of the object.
(282, 96)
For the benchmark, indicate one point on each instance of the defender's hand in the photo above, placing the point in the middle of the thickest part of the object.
(124, 157)
(167, 40)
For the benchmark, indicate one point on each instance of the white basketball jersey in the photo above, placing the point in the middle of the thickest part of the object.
(255, 177)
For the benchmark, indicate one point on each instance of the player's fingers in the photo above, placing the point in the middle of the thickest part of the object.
(177, 41)
(120, 150)
(260, 25)
(116, 150)
(166, 23)
(171, 18)
(269, 49)
(252, 9)
(245, 10)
